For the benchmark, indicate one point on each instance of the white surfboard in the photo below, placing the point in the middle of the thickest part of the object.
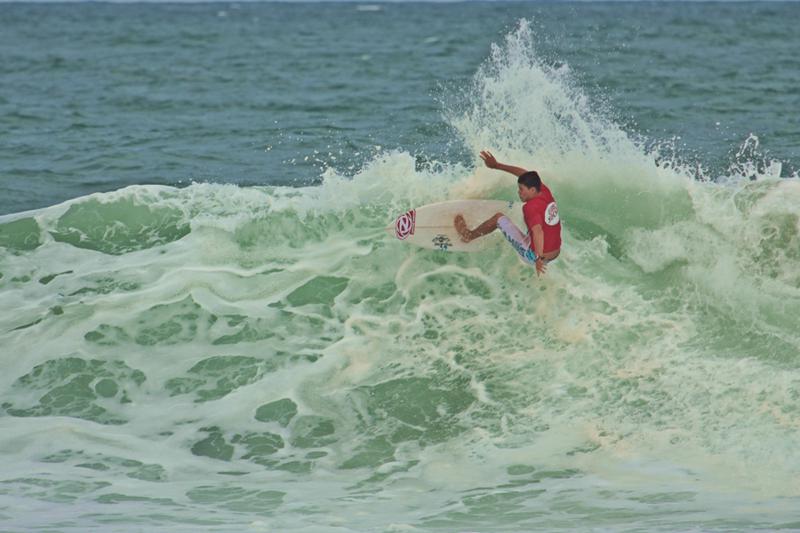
(431, 226)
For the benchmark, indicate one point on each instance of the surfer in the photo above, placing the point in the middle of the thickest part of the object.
(541, 216)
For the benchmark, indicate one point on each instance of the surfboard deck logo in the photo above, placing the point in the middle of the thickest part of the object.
(442, 242)
(404, 225)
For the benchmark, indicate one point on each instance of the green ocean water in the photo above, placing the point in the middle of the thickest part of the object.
(205, 327)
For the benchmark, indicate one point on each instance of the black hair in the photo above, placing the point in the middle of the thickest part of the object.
(530, 179)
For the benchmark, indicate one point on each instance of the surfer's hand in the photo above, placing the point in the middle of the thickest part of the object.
(541, 266)
(489, 159)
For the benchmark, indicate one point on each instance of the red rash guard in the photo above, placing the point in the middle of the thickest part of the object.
(543, 210)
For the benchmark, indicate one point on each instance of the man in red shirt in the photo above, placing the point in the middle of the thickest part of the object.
(543, 242)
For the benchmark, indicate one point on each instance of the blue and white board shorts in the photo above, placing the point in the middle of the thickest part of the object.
(521, 243)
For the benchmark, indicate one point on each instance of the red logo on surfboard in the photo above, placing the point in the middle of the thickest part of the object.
(404, 225)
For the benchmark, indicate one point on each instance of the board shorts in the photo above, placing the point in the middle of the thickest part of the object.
(521, 243)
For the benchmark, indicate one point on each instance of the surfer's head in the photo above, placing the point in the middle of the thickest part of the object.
(530, 184)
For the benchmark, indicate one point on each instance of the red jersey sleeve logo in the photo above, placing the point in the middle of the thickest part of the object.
(404, 225)
(551, 214)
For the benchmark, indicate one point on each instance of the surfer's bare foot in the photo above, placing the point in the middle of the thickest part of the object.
(462, 229)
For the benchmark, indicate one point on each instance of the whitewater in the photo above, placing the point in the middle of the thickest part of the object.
(265, 358)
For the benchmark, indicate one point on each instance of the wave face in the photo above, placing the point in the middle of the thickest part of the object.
(266, 358)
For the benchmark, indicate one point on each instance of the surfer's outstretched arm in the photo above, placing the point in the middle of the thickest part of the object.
(491, 162)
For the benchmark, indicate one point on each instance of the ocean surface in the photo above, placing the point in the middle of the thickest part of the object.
(205, 327)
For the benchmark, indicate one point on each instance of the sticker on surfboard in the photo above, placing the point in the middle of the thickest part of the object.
(442, 242)
(404, 225)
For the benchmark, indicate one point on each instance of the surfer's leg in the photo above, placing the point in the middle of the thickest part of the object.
(485, 228)
(521, 243)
